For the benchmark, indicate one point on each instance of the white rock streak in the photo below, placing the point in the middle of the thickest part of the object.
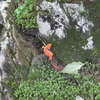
(3, 46)
(2, 55)
(89, 44)
(3, 5)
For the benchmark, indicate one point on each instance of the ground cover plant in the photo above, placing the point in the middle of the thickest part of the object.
(43, 83)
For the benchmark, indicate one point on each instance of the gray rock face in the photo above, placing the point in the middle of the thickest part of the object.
(1, 22)
(14, 49)
(39, 60)
(3, 46)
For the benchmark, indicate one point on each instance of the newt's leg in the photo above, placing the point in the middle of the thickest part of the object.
(50, 57)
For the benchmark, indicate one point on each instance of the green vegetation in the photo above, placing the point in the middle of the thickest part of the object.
(17, 74)
(54, 86)
(43, 83)
(26, 14)
(49, 90)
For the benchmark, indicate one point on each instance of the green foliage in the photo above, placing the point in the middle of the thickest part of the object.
(53, 86)
(17, 0)
(89, 88)
(17, 74)
(26, 14)
(49, 90)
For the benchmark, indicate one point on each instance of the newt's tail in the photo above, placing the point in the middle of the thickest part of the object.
(50, 55)
(57, 68)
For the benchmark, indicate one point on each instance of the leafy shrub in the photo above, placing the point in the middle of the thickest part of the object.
(53, 86)
(90, 91)
(46, 89)
(89, 88)
(26, 13)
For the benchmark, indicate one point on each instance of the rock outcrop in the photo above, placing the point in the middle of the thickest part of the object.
(14, 49)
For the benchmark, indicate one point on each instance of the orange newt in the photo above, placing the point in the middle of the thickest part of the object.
(47, 52)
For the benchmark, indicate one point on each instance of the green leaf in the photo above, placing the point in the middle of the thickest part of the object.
(97, 97)
(72, 68)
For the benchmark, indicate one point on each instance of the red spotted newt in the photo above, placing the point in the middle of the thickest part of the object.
(47, 52)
